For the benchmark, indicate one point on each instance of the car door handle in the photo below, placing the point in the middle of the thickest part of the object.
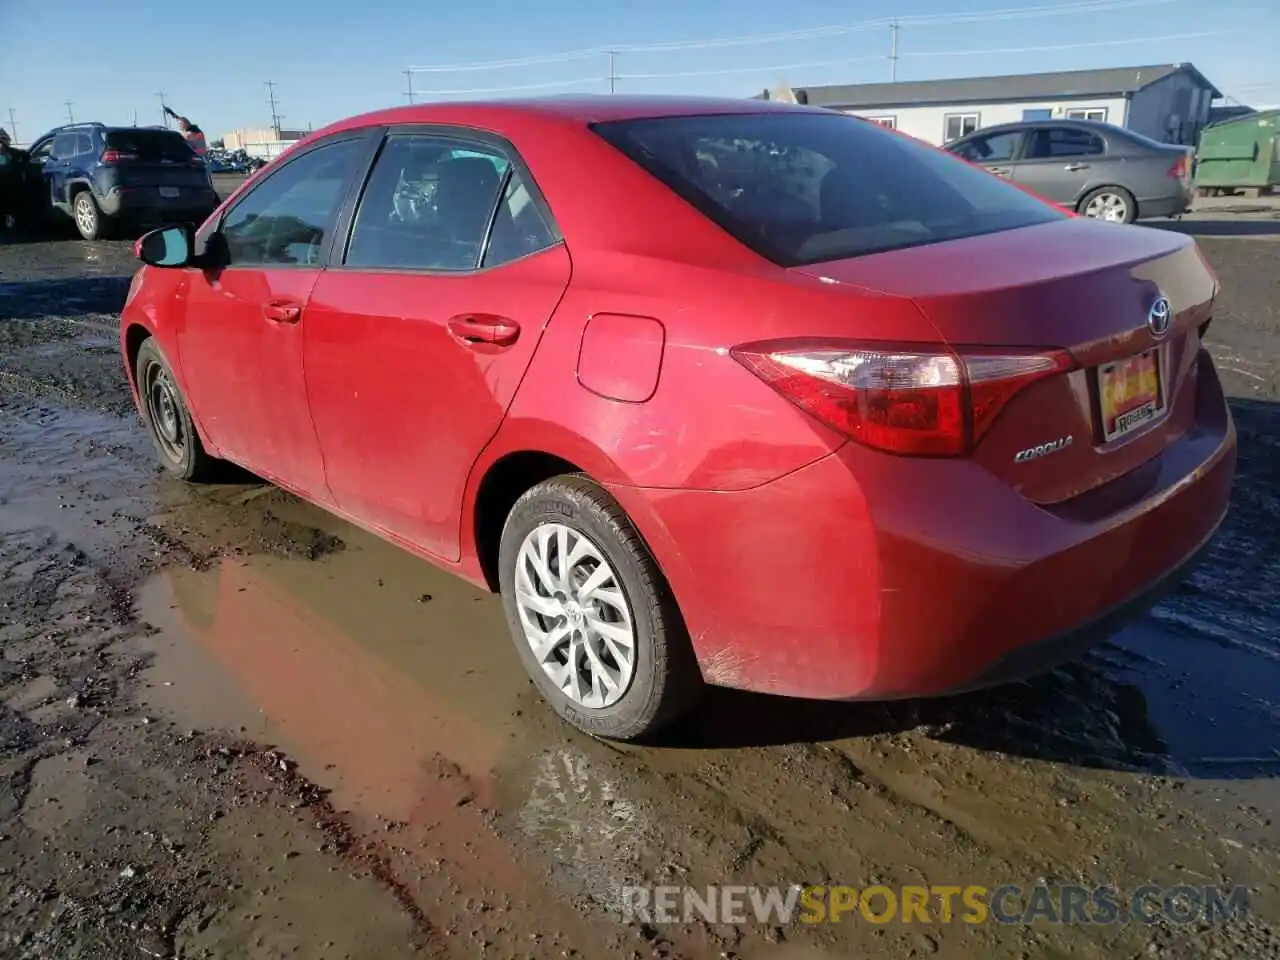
(1000, 171)
(1073, 167)
(282, 311)
(479, 328)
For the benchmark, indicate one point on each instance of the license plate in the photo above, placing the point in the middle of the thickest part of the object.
(169, 193)
(1129, 393)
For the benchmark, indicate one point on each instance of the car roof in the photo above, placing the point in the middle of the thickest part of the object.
(578, 109)
(1096, 125)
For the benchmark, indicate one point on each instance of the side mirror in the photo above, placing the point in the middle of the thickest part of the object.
(166, 247)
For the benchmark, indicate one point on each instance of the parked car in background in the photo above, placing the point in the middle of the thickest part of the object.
(104, 177)
(1097, 169)
(774, 399)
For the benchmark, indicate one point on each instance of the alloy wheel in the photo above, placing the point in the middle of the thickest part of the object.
(1108, 206)
(575, 615)
(86, 215)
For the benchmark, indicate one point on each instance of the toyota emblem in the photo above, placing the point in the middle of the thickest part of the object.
(1159, 317)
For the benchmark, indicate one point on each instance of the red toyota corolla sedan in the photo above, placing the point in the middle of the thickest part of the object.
(713, 391)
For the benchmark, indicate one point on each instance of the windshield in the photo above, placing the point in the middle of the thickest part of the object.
(807, 187)
(150, 144)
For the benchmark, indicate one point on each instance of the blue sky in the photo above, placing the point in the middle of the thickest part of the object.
(333, 58)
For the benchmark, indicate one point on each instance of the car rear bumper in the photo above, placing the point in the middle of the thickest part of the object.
(867, 576)
(145, 205)
(1171, 206)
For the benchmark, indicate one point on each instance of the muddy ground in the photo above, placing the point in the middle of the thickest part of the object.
(232, 726)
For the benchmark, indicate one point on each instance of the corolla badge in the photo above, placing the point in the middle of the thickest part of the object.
(1044, 449)
(1159, 317)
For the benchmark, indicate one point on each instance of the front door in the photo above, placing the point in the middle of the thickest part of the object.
(240, 342)
(996, 151)
(1058, 163)
(416, 343)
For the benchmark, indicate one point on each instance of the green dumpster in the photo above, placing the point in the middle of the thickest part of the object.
(1240, 154)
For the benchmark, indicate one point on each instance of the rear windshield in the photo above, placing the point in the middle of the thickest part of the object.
(806, 187)
(150, 144)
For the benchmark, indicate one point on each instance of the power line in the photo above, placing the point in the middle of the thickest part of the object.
(976, 16)
(554, 84)
(777, 68)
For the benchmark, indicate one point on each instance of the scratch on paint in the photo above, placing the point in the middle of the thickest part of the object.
(724, 667)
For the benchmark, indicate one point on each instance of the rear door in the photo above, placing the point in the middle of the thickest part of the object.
(58, 169)
(419, 334)
(1059, 163)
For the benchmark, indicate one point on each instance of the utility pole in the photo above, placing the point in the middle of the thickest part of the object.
(164, 116)
(13, 127)
(71, 117)
(135, 116)
(275, 113)
(613, 69)
(408, 79)
(893, 51)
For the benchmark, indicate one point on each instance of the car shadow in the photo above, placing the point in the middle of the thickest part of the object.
(1203, 227)
(1192, 689)
(63, 298)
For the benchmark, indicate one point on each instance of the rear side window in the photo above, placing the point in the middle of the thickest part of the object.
(1053, 142)
(431, 203)
(64, 145)
(800, 187)
(150, 144)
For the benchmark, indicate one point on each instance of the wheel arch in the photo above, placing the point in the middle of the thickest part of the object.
(523, 454)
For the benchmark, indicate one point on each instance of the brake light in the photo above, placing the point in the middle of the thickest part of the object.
(115, 156)
(1181, 168)
(913, 401)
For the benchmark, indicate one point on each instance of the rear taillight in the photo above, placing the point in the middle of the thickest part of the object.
(910, 400)
(116, 156)
(1181, 168)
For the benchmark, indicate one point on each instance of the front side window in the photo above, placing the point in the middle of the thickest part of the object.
(431, 203)
(40, 153)
(957, 125)
(808, 187)
(996, 148)
(285, 219)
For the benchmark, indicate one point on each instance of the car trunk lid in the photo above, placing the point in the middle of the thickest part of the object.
(1076, 285)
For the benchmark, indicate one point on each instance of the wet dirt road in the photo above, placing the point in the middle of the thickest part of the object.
(232, 726)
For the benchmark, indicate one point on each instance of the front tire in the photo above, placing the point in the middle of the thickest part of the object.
(164, 411)
(592, 617)
(1113, 204)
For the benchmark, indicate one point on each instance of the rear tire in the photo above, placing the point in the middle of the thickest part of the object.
(164, 411)
(1113, 204)
(90, 223)
(615, 659)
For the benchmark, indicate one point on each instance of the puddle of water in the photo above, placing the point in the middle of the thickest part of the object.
(393, 686)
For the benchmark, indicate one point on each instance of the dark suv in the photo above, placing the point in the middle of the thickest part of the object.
(101, 176)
